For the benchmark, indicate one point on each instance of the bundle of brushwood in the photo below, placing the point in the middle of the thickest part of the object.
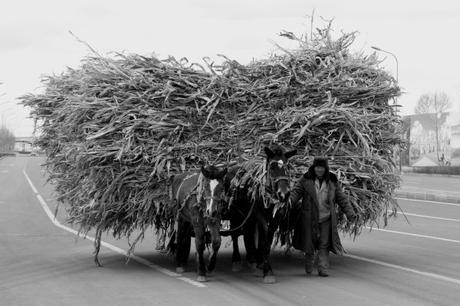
(115, 129)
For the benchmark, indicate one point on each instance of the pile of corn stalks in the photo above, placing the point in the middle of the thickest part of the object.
(116, 129)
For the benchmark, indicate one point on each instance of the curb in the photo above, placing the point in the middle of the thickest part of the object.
(428, 174)
(428, 196)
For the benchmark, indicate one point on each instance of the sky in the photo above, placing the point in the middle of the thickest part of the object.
(35, 39)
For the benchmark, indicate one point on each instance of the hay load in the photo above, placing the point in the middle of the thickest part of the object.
(116, 129)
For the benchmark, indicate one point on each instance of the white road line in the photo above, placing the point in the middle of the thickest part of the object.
(424, 190)
(427, 201)
(414, 235)
(108, 245)
(428, 217)
(31, 184)
(390, 265)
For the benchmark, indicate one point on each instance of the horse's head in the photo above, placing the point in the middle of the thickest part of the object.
(213, 191)
(277, 173)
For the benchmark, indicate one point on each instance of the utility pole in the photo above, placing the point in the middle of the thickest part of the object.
(397, 81)
(437, 114)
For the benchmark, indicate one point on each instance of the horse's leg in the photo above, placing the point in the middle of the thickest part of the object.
(264, 246)
(236, 257)
(183, 245)
(249, 237)
(198, 227)
(216, 242)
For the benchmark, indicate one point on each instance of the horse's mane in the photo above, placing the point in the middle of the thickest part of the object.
(277, 150)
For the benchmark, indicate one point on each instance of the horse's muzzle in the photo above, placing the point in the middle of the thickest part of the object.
(211, 213)
(283, 196)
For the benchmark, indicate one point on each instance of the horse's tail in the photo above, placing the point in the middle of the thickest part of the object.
(171, 247)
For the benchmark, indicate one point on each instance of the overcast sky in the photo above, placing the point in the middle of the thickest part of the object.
(35, 39)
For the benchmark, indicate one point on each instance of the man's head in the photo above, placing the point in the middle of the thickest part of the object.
(320, 167)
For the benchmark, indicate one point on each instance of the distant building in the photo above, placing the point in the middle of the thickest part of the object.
(433, 139)
(23, 144)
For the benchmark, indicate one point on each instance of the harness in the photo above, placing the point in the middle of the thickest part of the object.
(182, 205)
(199, 196)
(271, 184)
(269, 188)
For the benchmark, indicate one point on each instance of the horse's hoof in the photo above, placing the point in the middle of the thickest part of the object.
(269, 279)
(180, 270)
(236, 266)
(201, 278)
(252, 267)
(210, 271)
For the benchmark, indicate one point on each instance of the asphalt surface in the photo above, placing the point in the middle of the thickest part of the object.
(443, 185)
(44, 263)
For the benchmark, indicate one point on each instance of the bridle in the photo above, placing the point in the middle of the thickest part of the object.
(272, 181)
(219, 200)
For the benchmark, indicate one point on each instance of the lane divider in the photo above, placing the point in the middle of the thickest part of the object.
(428, 217)
(412, 234)
(140, 260)
(424, 190)
(427, 201)
(398, 267)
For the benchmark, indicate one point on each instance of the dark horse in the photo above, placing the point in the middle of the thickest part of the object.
(256, 218)
(198, 197)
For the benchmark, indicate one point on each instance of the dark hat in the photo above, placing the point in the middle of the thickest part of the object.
(321, 162)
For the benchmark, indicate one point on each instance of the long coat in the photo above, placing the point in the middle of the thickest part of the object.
(306, 230)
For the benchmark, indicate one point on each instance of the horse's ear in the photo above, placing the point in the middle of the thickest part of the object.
(268, 152)
(290, 154)
(204, 171)
(223, 173)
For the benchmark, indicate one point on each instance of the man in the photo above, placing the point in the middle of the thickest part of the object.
(316, 226)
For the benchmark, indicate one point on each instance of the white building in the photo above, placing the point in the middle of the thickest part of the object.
(23, 144)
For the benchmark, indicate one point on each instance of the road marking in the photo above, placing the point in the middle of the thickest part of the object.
(424, 190)
(411, 234)
(428, 217)
(390, 265)
(108, 245)
(427, 201)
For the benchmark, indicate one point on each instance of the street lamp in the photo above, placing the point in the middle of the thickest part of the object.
(394, 56)
(397, 81)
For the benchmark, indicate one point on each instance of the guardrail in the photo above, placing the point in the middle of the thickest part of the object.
(450, 170)
(3, 154)
(449, 198)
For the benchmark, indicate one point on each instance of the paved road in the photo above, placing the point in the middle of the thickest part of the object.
(447, 185)
(42, 264)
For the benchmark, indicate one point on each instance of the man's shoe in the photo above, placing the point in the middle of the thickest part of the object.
(323, 273)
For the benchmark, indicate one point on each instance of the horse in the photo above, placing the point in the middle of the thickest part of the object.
(255, 218)
(197, 196)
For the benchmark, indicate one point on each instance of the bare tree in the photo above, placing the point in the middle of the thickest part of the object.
(436, 104)
(7, 139)
(424, 104)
